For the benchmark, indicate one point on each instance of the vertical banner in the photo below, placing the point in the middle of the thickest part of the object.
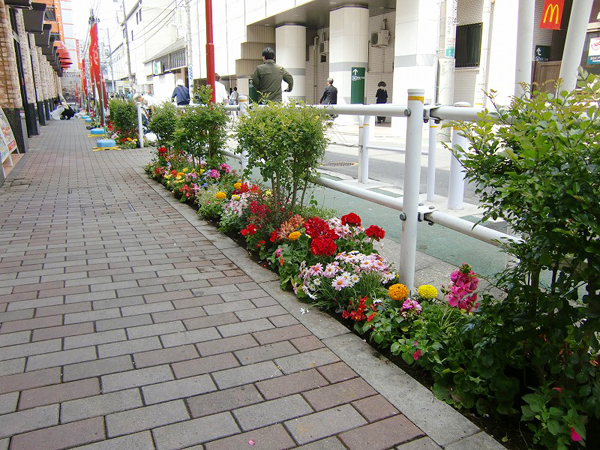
(357, 85)
(451, 21)
(95, 68)
(84, 91)
(552, 14)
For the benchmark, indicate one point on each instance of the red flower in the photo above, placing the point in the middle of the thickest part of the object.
(273, 237)
(575, 436)
(317, 227)
(557, 389)
(351, 219)
(416, 355)
(375, 232)
(371, 317)
(323, 246)
(162, 151)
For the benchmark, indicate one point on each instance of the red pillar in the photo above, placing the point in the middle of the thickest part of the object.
(210, 49)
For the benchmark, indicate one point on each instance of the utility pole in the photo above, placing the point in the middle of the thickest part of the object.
(127, 46)
(210, 48)
(188, 38)
(112, 73)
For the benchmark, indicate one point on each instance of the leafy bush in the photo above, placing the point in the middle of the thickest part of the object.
(538, 168)
(164, 123)
(201, 132)
(123, 115)
(286, 143)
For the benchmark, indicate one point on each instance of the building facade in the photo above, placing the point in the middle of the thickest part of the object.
(32, 60)
(455, 49)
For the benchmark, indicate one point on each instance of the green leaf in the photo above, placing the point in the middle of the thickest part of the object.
(554, 427)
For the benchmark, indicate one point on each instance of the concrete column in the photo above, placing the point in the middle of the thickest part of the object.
(30, 106)
(524, 45)
(291, 54)
(348, 47)
(415, 50)
(37, 80)
(502, 62)
(580, 16)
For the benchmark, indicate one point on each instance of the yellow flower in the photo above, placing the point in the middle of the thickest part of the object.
(186, 170)
(398, 291)
(221, 195)
(427, 292)
(294, 236)
(180, 174)
(268, 193)
(235, 197)
(129, 139)
(237, 185)
(201, 171)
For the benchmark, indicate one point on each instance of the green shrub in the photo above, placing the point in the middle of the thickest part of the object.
(538, 168)
(201, 132)
(123, 115)
(286, 143)
(164, 123)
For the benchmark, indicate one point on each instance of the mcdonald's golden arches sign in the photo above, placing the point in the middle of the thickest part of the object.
(552, 14)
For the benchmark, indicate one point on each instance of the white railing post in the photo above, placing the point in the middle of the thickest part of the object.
(456, 185)
(364, 139)
(140, 125)
(243, 110)
(433, 130)
(412, 175)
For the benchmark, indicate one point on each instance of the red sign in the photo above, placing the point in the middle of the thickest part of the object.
(552, 14)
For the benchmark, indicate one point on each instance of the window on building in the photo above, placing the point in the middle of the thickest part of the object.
(468, 45)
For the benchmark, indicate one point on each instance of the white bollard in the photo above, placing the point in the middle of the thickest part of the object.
(433, 130)
(412, 175)
(364, 139)
(456, 186)
(140, 125)
(243, 110)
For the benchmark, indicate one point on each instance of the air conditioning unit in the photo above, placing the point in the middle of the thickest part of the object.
(380, 39)
(324, 47)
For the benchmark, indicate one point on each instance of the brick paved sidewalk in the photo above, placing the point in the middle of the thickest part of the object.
(128, 323)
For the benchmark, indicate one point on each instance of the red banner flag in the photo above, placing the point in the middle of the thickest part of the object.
(83, 78)
(552, 14)
(94, 58)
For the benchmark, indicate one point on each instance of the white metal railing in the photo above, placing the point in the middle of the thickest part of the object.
(413, 212)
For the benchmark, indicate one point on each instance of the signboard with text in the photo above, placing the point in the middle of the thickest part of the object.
(357, 85)
(594, 51)
(7, 141)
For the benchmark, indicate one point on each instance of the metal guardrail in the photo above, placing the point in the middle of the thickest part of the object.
(413, 211)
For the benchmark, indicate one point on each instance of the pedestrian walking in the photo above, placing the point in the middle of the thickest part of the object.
(329, 96)
(181, 93)
(381, 96)
(268, 76)
(220, 91)
(234, 97)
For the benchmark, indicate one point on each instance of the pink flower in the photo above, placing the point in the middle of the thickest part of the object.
(416, 355)
(340, 283)
(279, 252)
(557, 389)
(575, 436)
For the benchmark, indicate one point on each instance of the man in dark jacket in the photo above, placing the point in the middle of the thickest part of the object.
(268, 76)
(329, 96)
(181, 94)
